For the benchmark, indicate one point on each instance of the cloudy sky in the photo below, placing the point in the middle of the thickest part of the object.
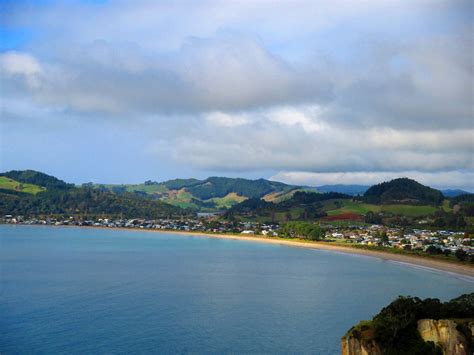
(306, 92)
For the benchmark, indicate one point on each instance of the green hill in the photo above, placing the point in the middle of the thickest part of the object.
(302, 205)
(37, 178)
(221, 186)
(214, 193)
(404, 191)
(84, 201)
(33, 193)
(7, 183)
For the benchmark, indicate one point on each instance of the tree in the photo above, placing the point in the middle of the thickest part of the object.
(461, 254)
(373, 218)
(384, 237)
(303, 230)
(433, 250)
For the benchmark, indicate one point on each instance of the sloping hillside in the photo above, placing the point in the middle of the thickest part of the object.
(213, 193)
(37, 178)
(35, 193)
(7, 183)
(404, 191)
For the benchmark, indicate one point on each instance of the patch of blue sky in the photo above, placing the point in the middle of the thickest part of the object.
(14, 38)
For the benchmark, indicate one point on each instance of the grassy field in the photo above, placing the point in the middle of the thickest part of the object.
(336, 207)
(180, 198)
(10, 184)
(149, 189)
(227, 201)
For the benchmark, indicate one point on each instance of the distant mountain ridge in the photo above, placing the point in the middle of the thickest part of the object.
(455, 192)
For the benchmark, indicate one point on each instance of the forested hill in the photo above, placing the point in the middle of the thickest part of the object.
(37, 178)
(214, 193)
(32, 193)
(222, 186)
(353, 190)
(403, 190)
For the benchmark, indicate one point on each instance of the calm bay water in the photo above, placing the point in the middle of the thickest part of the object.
(73, 290)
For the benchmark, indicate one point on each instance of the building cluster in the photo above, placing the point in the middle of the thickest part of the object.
(204, 225)
(410, 239)
(413, 239)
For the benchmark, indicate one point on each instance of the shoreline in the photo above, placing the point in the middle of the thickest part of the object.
(439, 265)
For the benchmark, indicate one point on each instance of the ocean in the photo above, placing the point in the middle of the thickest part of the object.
(87, 291)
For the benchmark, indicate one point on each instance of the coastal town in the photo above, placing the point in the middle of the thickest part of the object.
(434, 242)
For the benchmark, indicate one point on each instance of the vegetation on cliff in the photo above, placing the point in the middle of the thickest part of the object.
(395, 327)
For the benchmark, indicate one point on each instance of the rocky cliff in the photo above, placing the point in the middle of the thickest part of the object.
(410, 325)
(454, 337)
(450, 335)
(359, 340)
(354, 346)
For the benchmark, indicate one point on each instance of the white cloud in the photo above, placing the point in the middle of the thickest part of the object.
(324, 86)
(292, 116)
(450, 179)
(297, 141)
(226, 120)
(21, 65)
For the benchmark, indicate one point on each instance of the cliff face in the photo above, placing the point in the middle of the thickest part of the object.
(444, 333)
(354, 346)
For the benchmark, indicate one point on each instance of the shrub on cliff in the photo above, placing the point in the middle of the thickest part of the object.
(395, 327)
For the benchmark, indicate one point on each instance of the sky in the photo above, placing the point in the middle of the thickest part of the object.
(305, 92)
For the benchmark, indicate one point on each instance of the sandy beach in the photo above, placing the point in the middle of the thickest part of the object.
(426, 262)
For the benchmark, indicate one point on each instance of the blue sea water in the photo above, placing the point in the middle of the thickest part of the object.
(86, 291)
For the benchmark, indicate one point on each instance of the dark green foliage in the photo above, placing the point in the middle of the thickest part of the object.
(449, 220)
(37, 178)
(462, 198)
(373, 218)
(220, 187)
(85, 201)
(301, 198)
(352, 190)
(461, 254)
(383, 236)
(251, 206)
(460, 307)
(403, 190)
(467, 209)
(177, 184)
(308, 202)
(432, 250)
(395, 327)
(303, 230)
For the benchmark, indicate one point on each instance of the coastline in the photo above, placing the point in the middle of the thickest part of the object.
(439, 265)
(464, 270)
